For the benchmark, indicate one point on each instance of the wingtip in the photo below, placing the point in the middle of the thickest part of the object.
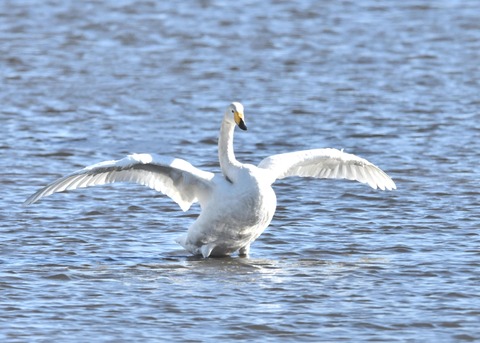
(32, 198)
(29, 201)
(384, 186)
(388, 186)
(392, 186)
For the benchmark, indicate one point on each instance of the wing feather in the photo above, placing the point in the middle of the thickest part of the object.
(326, 163)
(176, 178)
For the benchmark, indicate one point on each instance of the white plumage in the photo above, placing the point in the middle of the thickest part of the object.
(238, 204)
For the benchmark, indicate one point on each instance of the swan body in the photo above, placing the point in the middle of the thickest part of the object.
(236, 205)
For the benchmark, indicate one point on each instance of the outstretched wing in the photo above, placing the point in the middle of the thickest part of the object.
(177, 178)
(327, 163)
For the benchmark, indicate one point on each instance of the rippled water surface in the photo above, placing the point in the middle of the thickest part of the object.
(396, 82)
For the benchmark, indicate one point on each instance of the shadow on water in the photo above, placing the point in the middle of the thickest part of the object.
(185, 269)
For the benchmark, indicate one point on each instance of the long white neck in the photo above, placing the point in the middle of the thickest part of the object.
(226, 156)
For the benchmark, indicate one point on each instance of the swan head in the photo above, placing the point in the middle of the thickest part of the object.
(234, 114)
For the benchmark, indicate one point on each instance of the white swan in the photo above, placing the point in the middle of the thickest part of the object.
(236, 205)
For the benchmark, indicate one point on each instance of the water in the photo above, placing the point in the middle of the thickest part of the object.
(394, 82)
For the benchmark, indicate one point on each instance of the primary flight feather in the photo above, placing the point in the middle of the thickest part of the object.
(236, 205)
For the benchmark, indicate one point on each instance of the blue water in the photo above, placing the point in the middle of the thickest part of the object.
(394, 82)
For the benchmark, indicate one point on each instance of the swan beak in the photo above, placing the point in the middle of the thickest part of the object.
(242, 125)
(240, 120)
